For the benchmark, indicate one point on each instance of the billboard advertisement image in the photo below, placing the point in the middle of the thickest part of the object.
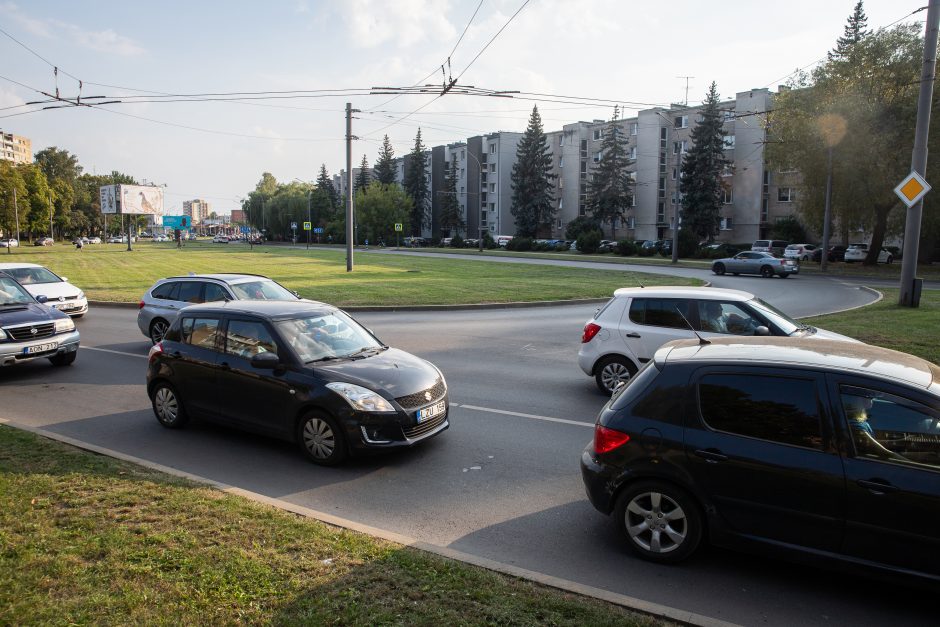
(108, 196)
(141, 200)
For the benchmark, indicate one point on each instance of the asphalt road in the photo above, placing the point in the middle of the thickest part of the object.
(501, 483)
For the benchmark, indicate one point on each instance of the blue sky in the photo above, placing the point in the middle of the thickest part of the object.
(610, 49)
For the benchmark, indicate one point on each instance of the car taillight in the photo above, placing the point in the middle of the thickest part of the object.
(155, 350)
(606, 440)
(141, 304)
(590, 330)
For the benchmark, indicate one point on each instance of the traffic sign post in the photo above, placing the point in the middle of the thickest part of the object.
(398, 229)
(912, 189)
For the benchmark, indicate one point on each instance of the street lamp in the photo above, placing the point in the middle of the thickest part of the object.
(479, 197)
(675, 219)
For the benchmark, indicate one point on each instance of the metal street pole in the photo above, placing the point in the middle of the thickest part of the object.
(349, 188)
(827, 217)
(16, 216)
(309, 213)
(910, 295)
(479, 196)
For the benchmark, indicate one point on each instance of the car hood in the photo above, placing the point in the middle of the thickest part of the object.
(52, 291)
(823, 334)
(28, 312)
(393, 370)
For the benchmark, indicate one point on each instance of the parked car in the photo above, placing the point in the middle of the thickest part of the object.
(723, 248)
(342, 398)
(161, 238)
(415, 242)
(44, 241)
(749, 262)
(836, 253)
(607, 246)
(800, 252)
(502, 240)
(802, 449)
(220, 239)
(9, 243)
(775, 246)
(859, 252)
(162, 302)
(626, 332)
(192, 237)
(94, 240)
(120, 239)
(40, 281)
(30, 330)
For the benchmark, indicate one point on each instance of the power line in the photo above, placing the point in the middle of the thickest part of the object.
(492, 39)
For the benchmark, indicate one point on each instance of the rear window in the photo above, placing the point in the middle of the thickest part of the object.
(628, 392)
(793, 247)
(661, 312)
(166, 291)
(761, 243)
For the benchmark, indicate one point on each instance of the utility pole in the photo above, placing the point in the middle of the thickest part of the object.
(16, 216)
(309, 213)
(910, 286)
(349, 188)
(686, 103)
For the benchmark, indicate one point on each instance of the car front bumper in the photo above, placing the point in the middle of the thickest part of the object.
(77, 307)
(12, 353)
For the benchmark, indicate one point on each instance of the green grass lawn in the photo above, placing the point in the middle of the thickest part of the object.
(86, 539)
(108, 272)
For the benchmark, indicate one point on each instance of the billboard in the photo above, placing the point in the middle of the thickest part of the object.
(108, 197)
(177, 222)
(131, 199)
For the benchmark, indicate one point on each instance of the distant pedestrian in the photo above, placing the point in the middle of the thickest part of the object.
(329, 238)
(79, 244)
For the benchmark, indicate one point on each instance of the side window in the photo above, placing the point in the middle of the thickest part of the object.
(167, 291)
(190, 292)
(248, 338)
(661, 312)
(717, 317)
(201, 332)
(776, 409)
(215, 292)
(890, 428)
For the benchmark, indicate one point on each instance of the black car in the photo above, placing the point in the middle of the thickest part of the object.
(30, 330)
(812, 449)
(297, 370)
(836, 253)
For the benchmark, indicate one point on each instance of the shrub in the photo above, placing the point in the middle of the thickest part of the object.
(580, 225)
(626, 248)
(646, 252)
(588, 242)
(456, 241)
(562, 246)
(488, 241)
(519, 243)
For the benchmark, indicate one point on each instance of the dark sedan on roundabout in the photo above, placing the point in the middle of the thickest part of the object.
(755, 262)
(301, 371)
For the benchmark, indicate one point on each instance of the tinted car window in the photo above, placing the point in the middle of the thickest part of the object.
(718, 317)
(769, 408)
(190, 292)
(660, 312)
(201, 332)
(215, 292)
(166, 291)
(246, 338)
(261, 290)
(891, 428)
(626, 393)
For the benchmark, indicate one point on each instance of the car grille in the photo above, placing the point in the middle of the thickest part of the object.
(423, 428)
(420, 399)
(24, 332)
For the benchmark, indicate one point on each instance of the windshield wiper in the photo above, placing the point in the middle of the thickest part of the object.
(13, 304)
(327, 358)
(362, 352)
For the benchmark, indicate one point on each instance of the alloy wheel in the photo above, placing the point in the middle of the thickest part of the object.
(656, 522)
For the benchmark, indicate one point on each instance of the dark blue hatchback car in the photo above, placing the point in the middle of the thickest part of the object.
(32, 330)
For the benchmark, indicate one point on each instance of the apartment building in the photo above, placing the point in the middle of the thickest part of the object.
(198, 210)
(15, 148)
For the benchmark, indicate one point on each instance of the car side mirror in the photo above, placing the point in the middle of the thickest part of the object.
(42, 298)
(762, 330)
(64, 279)
(265, 361)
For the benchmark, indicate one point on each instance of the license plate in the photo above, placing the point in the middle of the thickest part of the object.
(40, 348)
(431, 411)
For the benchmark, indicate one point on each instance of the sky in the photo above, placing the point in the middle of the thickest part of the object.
(321, 54)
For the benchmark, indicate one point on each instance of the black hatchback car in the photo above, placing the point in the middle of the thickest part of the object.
(822, 449)
(297, 370)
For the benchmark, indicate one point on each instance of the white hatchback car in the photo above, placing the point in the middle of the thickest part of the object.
(858, 252)
(40, 281)
(624, 333)
(800, 252)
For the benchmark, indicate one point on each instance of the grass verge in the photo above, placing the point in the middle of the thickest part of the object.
(86, 539)
(109, 272)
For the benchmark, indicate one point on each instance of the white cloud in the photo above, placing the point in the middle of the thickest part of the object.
(36, 27)
(101, 41)
(404, 23)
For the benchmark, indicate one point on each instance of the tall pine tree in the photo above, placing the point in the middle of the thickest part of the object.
(384, 171)
(854, 31)
(364, 177)
(701, 184)
(451, 217)
(325, 185)
(416, 184)
(610, 193)
(533, 194)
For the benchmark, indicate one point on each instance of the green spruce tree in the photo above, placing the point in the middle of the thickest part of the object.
(533, 193)
(610, 193)
(416, 185)
(364, 177)
(384, 171)
(325, 185)
(451, 217)
(701, 183)
(854, 31)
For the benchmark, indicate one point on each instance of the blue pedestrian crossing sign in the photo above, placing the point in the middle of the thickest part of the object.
(306, 226)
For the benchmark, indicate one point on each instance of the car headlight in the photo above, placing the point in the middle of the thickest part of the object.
(81, 294)
(361, 398)
(61, 326)
(3, 335)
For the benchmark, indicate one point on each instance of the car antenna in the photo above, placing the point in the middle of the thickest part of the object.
(701, 340)
(638, 282)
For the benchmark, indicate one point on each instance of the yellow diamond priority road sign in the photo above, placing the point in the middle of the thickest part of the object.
(912, 189)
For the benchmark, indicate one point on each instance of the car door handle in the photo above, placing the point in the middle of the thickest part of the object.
(634, 334)
(877, 486)
(711, 455)
(176, 354)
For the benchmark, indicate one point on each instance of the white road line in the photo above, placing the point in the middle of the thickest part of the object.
(521, 415)
(108, 350)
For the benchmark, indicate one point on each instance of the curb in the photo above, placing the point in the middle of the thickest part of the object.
(392, 308)
(637, 605)
(880, 297)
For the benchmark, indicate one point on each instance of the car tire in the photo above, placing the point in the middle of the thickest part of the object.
(611, 371)
(158, 329)
(785, 275)
(321, 439)
(661, 522)
(167, 406)
(766, 272)
(718, 268)
(63, 359)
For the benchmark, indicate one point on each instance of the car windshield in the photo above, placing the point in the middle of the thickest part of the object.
(261, 290)
(784, 322)
(12, 294)
(32, 276)
(328, 336)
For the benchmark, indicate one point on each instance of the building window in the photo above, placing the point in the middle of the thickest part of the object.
(662, 187)
(675, 172)
(492, 167)
(561, 161)
(462, 189)
(727, 195)
(727, 115)
(728, 141)
(492, 149)
(492, 187)
(597, 157)
(681, 121)
(483, 215)
(633, 153)
(662, 138)
(763, 210)
(633, 128)
(597, 134)
(584, 167)
(661, 213)
(561, 139)
(584, 149)
(561, 203)
(726, 224)
(785, 194)
(463, 154)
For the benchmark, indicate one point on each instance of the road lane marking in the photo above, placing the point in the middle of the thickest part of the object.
(108, 350)
(522, 415)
